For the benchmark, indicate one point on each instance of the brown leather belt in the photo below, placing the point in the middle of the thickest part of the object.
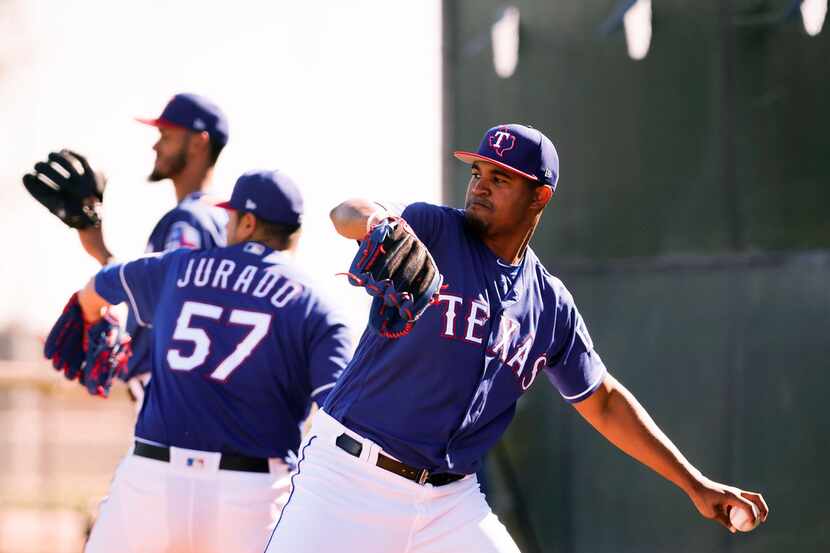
(420, 476)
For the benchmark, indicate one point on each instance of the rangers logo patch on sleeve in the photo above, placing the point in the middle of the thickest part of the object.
(183, 235)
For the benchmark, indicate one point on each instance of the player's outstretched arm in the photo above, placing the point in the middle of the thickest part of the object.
(353, 218)
(616, 414)
(92, 240)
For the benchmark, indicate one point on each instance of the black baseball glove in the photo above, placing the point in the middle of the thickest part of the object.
(69, 188)
(398, 271)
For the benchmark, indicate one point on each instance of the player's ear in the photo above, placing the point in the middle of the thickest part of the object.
(249, 223)
(541, 196)
(201, 142)
(245, 226)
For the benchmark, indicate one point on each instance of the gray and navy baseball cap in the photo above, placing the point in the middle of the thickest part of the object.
(194, 113)
(270, 195)
(519, 149)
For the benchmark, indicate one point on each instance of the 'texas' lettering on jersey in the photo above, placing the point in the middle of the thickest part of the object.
(226, 274)
(465, 320)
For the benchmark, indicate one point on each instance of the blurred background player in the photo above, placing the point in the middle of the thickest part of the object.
(241, 344)
(407, 425)
(192, 133)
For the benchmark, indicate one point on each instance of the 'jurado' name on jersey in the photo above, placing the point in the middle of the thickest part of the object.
(227, 274)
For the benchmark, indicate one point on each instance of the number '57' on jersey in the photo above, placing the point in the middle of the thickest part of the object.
(238, 333)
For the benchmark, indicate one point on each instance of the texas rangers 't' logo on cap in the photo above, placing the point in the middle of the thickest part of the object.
(501, 141)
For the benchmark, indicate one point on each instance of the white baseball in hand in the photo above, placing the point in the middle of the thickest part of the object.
(741, 521)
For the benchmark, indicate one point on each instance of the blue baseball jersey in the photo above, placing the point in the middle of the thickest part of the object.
(193, 224)
(242, 344)
(441, 396)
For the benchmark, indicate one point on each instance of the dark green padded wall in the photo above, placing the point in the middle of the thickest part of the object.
(731, 361)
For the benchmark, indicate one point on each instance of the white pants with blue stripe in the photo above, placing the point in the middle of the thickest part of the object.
(188, 505)
(343, 503)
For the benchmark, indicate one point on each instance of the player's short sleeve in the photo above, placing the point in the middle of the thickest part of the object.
(426, 220)
(393, 208)
(138, 282)
(574, 367)
(192, 226)
(330, 347)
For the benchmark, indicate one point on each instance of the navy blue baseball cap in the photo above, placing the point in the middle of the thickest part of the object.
(519, 149)
(270, 195)
(194, 113)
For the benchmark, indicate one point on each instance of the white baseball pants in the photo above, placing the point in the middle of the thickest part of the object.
(188, 505)
(343, 503)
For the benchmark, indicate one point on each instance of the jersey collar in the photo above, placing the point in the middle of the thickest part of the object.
(192, 197)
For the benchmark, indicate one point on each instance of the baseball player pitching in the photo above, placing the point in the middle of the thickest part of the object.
(464, 319)
(192, 133)
(241, 347)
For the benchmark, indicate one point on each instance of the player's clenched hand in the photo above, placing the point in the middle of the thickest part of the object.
(714, 501)
(68, 187)
(398, 271)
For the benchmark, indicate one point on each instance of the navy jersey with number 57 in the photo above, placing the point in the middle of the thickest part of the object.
(242, 344)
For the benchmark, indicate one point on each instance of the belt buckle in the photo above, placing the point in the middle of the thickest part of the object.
(423, 477)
